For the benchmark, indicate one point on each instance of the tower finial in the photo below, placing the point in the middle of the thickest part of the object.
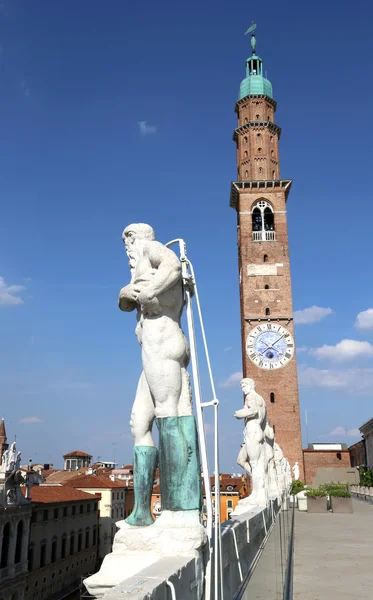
(253, 38)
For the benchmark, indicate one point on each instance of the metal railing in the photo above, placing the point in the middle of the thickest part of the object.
(288, 586)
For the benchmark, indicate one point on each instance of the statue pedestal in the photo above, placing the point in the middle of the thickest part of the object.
(175, 533)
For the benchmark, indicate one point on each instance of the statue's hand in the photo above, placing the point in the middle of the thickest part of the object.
(240, 414)
(128, 297)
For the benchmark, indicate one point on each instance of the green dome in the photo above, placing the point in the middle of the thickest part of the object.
(254, 82)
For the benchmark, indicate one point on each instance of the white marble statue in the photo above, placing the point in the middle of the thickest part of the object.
(287, 472)
(163, 395)
(252, 456)
(272, 481)
(279, 455)
(296, 471)
(11, 460)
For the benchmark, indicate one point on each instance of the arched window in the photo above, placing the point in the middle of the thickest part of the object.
(87, 538)
(43, 553)
(266, 287)
(30, 557)
(263, 225)
(5, 546)
(258, 137)
(246, 174)
(245, 139)
(63, 546)
(273, 174)
(54, 550)
(259, 150)
(268, 118)
(246, 120)
(269, 221)
(245, 154)
(272, 152)
(260, 170)
(94, 540)
(257, 117)
(72, 543)
(271, 138)
(257, 220)
(17, 558)
(268, 312)
(80, 540)
(272, 397)
(265, 258)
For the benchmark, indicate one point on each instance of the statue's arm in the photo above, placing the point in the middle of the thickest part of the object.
(246, 413)
(168, 269)
(127, 298)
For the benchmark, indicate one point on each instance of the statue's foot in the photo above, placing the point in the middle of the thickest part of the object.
(140, 518)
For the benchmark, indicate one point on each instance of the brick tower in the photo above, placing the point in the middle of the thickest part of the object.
(259, 197)
(3, 442)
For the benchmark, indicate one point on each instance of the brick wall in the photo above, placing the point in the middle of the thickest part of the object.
(315, 459)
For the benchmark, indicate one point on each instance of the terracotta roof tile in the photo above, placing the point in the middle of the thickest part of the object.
(51, 494)
(77, 453)
(60, 476)
(94, 481)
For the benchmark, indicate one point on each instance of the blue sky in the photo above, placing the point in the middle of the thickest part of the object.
(119, 112)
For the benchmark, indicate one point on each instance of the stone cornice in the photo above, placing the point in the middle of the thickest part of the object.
(246, 126)
(256, 186)
(242, 100)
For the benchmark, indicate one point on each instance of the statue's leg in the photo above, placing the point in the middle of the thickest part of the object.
(179, 464)
(145, 455)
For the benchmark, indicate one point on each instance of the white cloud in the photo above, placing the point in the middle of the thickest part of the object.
(364, 319)
(31, 420)
(344, 351)
(312, 314)
(302, 349)
(340, 431)
(147, 129)
(356, 381)
(232, 381)
(228, 349)
(7, 293)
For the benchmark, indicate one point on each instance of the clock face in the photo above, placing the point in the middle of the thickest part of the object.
(270, 346)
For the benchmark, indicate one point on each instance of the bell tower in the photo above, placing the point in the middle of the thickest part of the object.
(259, 197)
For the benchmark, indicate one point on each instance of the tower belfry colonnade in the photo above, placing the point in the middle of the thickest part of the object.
(259, 196)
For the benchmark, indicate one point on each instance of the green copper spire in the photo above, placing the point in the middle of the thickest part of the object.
(254, 83)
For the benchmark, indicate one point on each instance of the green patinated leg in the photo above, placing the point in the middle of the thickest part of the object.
(145, 459)
(179, 463)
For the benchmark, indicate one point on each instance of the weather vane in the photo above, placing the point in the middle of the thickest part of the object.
(253, 40)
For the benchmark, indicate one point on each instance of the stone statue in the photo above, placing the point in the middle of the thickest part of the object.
(272, 481)
(163, 393)
(252, 456)
(296, 471)
(287, 472)
(11, 460)
(279, 455)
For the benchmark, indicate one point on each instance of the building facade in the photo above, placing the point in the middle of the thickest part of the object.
(357, 454)
(328, 462)
(63, 545)
(111, 505)
(259, 197)
(367, 431)
(77, 459)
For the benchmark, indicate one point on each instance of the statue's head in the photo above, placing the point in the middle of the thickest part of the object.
(137, 231)
(247, 385)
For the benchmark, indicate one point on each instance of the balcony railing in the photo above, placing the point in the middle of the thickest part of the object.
(264, 236)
